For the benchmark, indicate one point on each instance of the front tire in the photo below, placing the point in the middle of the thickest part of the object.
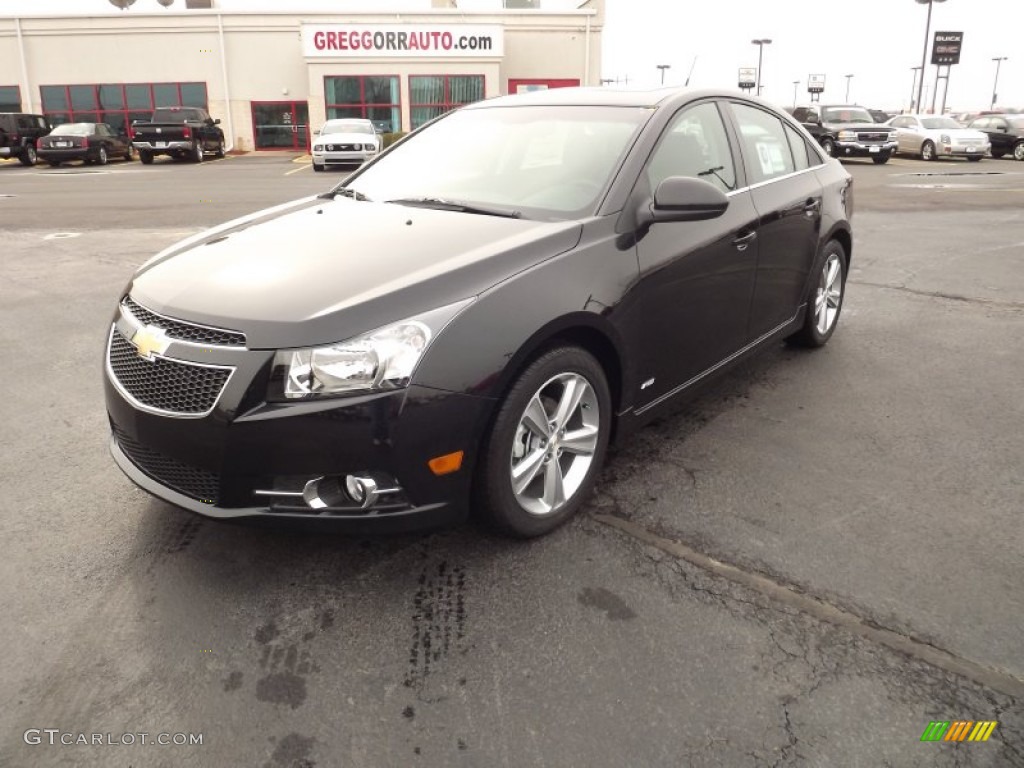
(997, 153)
(881, 160)
(220, 150)
(146, 156)
(547, 444)
(1018, 150)
(928, 151)
(829, 146)
(101, 156)
(827, 299)
(318, 168)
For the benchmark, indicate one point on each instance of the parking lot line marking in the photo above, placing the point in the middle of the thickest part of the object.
(823, 611)
(295, 170)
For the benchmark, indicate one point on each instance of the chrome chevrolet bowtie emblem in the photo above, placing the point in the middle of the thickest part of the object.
(150, 340)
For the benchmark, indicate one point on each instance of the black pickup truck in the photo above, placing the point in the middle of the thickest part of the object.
(848, 131)
(181, 132)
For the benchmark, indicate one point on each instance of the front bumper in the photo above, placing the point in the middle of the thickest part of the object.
(863, 149)
(963, 150)
(250, 459)
(342, 158)
(8, 152)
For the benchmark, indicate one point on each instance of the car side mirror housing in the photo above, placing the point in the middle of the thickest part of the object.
(682, 198)
(216, 121)
(316, 132)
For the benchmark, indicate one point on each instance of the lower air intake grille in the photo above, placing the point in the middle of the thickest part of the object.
(196, 483)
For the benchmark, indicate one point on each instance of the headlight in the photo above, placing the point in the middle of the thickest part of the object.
(376, 361)
(944, 138)
(847, 136)
(318, 147)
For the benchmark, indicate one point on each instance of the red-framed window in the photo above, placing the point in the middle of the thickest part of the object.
(10, 98)
(525, 85)
(433, 95)
(374, 97)
(117, 104)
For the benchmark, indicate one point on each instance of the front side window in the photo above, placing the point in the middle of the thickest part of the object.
(696, 145)
(433, 95)
(766, 152)
(545, 162)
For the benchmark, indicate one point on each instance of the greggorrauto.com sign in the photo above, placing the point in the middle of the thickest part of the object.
(402, 40)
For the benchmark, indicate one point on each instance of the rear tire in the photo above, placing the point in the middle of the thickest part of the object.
(129, 154)
(101, 156)
(541, 459)
(197, 152)
(146, 157)
(826, 299)
(1018, 150)
(28, 156)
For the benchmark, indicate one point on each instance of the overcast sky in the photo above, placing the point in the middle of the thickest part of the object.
(877, 41)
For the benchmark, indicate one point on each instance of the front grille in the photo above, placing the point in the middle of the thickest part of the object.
(196, 483)
(341, 147)
(873, 136)
(182, 331)
(170, 386)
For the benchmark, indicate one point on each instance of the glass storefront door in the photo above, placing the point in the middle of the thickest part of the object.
(281, 125)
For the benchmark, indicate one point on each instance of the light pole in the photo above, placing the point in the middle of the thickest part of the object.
(760, 58)
(663, 67)
(913, 87)
(924, 53)
(995, 86)
(848, 79)
(796, 84)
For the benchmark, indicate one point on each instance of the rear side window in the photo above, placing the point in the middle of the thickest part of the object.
(695, 145)
(982, 123)
(799, 148)
(766, 152)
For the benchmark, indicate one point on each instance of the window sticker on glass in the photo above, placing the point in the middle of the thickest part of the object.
(770, 155)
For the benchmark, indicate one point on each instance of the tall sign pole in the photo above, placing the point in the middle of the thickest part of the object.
(924, 53)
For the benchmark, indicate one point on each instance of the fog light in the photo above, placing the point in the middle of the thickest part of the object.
(361, 489)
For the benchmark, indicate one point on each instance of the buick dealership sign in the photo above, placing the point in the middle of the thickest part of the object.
(946, 48)
(402, 41)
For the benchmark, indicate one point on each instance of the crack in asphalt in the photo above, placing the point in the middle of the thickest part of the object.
(820, 609)
(1013, 305)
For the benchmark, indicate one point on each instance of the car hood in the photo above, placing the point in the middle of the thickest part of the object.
(873, 127)
(346, 138)
(959, 133)
(320, 271)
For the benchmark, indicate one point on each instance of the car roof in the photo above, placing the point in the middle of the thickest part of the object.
(599, 97)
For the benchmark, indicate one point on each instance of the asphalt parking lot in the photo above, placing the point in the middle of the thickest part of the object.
(804, 567)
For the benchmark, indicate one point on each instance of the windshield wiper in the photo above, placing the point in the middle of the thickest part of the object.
(345, 192)
(714, 172)
(441, 204)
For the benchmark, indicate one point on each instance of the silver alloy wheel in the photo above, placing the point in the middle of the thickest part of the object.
(1018, 151)
(830, 294)
(928, 151)
(102, 156)
(554, 444)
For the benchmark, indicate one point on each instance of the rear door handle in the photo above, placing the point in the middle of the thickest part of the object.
(743, 241)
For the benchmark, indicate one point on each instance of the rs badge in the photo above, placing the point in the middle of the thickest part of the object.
(150, 340)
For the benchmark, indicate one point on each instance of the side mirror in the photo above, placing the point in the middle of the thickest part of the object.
(316, 132)
(216, 121)
(681, 198)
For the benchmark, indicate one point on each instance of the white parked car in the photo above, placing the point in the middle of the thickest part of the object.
(345, 141)
(933, 136)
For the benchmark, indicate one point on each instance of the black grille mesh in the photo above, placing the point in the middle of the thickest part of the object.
(177, 329)
(196, 483)
(167, 385)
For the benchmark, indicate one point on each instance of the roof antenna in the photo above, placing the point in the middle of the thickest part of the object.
(687, 83)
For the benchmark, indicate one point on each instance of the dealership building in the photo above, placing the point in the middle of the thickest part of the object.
(271, 76)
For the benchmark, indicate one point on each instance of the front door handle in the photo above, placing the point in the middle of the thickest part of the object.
(811, 207)
(742, 241)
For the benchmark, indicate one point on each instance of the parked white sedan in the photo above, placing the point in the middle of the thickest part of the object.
(344, 142)
(933, 136)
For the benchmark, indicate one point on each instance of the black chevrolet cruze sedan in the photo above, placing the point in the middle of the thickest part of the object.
(466, 321)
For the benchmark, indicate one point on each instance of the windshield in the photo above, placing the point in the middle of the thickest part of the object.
(347, 126)
(72, 129)
(939, 122)
(544, 162)
(847, 115)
